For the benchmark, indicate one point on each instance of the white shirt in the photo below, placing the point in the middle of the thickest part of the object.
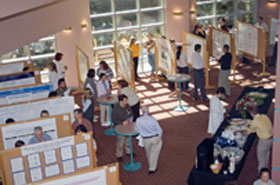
(263, 25)
(133, 98)
(197, 61)
(216, 115)
(53, 78)
(183, 61)
(60, 68)
(101, 89)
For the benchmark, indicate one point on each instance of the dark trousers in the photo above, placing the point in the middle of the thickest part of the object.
(135, 60)
(136, 110)
(184, 70)
(199, 82)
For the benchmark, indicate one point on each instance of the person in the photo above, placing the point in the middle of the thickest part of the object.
(196, 29)
(53, 75)
(88, 105)
(262, 126)
(104, 68)
(150, 131)
(9, 120)
(19, 143)
(223, 25)
(91, 82)
(103, 89)
(52, 94)
(150, 46)
(59, 66)
(133, 98)
(262, 24)
(264, 178)
(39, 136)
(80, 120)
(135, 55)
(224, 73)
(201, 32)
(182, 64)
(122, 115)
(81, 129)
(198, 65)
(44, 114)
(275, 51)
(62, 89)
(216, 111)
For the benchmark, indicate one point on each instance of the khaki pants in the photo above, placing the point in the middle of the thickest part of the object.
(121, 142)
(152, 146)
(224, 81)
(263, 153)
(104, 109)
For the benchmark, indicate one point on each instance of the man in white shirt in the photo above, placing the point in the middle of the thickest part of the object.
(59, 66)
(198, 65)
(262, 24)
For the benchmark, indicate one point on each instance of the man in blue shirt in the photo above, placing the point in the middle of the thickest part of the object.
(150, 131)
(39, 136)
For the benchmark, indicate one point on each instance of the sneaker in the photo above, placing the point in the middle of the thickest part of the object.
(106, 124)
(152, 172)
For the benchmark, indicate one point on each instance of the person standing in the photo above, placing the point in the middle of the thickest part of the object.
(135, 56)
(182, 64)
(198, 65)
(60, 67)
(150, 131)
(262, 24)
(216, 111)
(262, 126)
(80, 120)
(88, 105)
(223, 25)
(105, 68)
(150, 46)
(224, 73)
(53, 75)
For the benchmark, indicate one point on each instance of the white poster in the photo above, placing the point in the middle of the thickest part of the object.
(219, 39)
(11, 68)
(24, 131)
(192, 40)
(248, 39)
(273, 30)
(124, 62)
(164, 53)
(15, 83)
(83, 65)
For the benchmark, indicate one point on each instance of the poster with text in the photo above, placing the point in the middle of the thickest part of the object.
(192, 40)
(124, 62)
(165, 55)
(273, 29)
(219, 39)
(248, 39)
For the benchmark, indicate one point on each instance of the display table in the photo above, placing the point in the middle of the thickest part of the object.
(129, 131)
(179, 78)
(197, 177)
(109, 101)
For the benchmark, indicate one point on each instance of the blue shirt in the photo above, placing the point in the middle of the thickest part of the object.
(105, 85)
(259, 182)
(148, 126)
(34, 139)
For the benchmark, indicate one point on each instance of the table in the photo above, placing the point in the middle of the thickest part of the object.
(104, 100)
(129, 131)
(179, 78)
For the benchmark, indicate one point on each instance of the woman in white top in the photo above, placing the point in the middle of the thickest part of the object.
(53, 75)
(217, 110)
(182, 64)
(133, 98)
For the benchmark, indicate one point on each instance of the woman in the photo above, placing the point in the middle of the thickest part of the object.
(91, 82)
(182, 64)
(53, 75)
(104, 68)
(201, 32)
(133, 98)
(150, 46)
(264, 178)
(196, 29)
(88, 105)
(135, 55)
(81, 129)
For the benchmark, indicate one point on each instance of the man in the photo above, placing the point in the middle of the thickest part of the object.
(39, 136)
(44, 114)
(122, 115)
(264, 178)
(262, 125)
(198, 65)
(62, 89)
(262, 24)
(150, 131)
(59, 66)
(216, 111)
(225, 62)
(80, 120)
(150, 46)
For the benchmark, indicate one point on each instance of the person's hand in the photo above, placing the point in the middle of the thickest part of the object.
(125, 122)
(65, 67)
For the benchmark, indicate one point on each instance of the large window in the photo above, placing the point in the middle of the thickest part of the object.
(208, 12)
(121, 20)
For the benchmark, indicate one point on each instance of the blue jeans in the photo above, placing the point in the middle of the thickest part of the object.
(151, 60)
(184, 70)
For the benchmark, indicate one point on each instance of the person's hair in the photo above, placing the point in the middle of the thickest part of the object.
(196, 27)
(164, 37)
(145, 109)
(58, 56)
(226, 47)
(178, 53)
(79, 111)
(91, 73)
(220, 90)
(223, 19)
(52, 94)
(122, 83)
(254, 110)
(38, 128)
(104, 64)
(263, 170)
(197, 47)
(122, 97)
(87, 93)
(19, 143)
(10, 120)
(132, 40)
(60, 81)
(26, 68)
(44, 112)
(101, 75)
(261, 18)
(52, 64)
(81, 128)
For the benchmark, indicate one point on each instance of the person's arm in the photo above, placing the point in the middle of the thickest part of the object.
(109, 73)
(252, 128)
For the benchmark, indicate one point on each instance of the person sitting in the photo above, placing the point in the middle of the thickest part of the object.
(39, 136)
(19, 143)
(80, 120)
(88, 105)
(264, 178)
(9, 120)
(44, 114)
(62, 89)
(82, 129)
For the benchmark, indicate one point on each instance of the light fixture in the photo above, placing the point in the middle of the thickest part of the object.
(68, 29)
(272, 1)
(84, 25)
(192, 10)
(177, 12)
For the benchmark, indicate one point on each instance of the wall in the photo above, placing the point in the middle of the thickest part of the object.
(266, 9)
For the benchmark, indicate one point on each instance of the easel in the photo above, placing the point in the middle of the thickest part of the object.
(82, 61)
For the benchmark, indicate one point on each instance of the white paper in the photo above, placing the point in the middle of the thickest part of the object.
(19, 178)
(65, 118)
(83, 162)
(248, 39)
(11, 68)
(81, 149)
(112, 169)
(123, 62)
(15, 83)
(219, 39)
(67, 92)
(68, 166)
(83, 65)
(50, 156)
(17, 164)
(19, 98)
(52, 170)
(192, 40)
(36, 174)
(34, 160)
(66, 153)
(165, 55)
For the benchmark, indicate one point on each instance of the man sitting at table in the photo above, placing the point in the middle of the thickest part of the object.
(39, 136)
(122, 115)
(80, 120)
(262, 125)
(150, 131)
(62, 89)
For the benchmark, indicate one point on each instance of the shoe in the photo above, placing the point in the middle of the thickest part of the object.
(152, 172)
(195, 98)
(119, 159)
(206, 99)
(134, 155)
(106, 124)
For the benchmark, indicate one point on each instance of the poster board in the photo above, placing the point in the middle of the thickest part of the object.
(273, 25)
(14, 67)
(56, 126)
(82, 62)
(165, 60)
(104, 175)
(46, 160)
(31, 110)
(124, 65)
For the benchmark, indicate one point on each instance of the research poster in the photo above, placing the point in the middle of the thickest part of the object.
(219, 39)
(165, 56)
(192, 40)
(124, 62)
(248, 39)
